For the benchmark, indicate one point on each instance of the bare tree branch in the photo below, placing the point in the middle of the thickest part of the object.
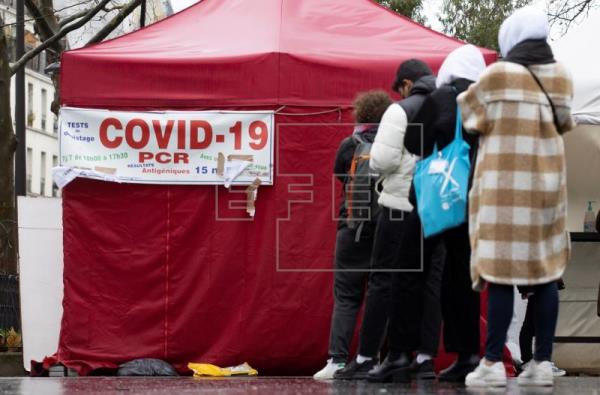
(565, 12)
(115, 22)
(71, 18)
(80, 14)
(61, 33)
(45, 30)
(51, 12)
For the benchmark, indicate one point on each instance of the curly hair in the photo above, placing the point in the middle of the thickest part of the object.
(370, 106)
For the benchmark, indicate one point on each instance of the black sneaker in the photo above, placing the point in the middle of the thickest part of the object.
(423, 370)
(388, 371)
(355, 370)
(457, 372)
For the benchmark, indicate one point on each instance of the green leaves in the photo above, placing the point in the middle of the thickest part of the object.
(477, 21)
(412, 9)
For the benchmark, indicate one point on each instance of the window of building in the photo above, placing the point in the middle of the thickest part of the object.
(54, 186)
(44, 108)
(43, 175)
(30, 114)
(28, 164)
(33, 64)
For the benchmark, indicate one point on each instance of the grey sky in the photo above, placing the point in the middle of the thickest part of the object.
(431, 9)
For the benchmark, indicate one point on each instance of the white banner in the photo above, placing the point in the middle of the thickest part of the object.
(170, 147)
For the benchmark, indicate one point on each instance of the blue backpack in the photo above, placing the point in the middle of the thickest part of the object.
(441, 185)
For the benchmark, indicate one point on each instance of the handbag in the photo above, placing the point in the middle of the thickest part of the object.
(441, 185)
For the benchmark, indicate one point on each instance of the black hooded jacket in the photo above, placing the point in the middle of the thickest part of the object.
(413, 103)
(438, 117)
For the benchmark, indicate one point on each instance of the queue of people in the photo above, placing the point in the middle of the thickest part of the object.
(496, 130)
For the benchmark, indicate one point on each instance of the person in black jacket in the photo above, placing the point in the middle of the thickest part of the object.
(390, 160)
(460, 304)
(352, 249)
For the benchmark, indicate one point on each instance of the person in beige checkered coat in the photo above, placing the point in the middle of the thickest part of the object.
(517, 216)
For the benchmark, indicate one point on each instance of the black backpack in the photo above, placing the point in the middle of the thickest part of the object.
(361, 186)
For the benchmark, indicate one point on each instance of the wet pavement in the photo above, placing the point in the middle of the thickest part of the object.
(270, 385)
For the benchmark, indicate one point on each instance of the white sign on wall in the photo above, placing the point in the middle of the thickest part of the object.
(171, 147)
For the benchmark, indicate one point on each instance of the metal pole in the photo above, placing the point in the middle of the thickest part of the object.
(143, 14)
(20, 166)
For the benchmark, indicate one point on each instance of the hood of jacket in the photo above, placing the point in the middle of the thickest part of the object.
(527, 23)
(423, 85)
(464, 62)
(364, 133)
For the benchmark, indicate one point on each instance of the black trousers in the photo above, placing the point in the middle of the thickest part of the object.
(415, 314)
(527, 332)
(500, 310)
(386, 250)
(352, 262)
(435, 284)
(461, 306)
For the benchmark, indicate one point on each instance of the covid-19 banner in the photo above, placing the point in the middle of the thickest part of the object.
(170, 147)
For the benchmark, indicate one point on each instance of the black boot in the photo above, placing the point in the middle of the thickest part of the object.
(457, 372)
(423, 370)
(396, 370)
(355, 370)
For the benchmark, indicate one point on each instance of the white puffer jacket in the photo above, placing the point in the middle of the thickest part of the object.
(390, 159)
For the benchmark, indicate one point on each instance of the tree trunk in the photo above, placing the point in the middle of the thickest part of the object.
(8, 145)
(47, 10)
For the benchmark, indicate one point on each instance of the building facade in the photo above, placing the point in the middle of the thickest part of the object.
(42, 152)
(41, 124)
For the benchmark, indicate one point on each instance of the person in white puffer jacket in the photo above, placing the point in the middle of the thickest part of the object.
(388, 155)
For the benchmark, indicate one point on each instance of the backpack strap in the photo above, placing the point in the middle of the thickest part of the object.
(350, 188)
(555, 118)
(358, 232)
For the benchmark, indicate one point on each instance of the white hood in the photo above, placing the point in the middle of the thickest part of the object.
(464, 62)
(527, 23)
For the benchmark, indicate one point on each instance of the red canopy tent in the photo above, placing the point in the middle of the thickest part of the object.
(167, 271)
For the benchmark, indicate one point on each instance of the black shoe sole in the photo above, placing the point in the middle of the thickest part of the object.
(458, 376)
(452, 379)
(402, 375)
(357, 376)
(425, 376)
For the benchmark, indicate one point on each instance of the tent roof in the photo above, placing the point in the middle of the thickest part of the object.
(245, 53)
(583, 63)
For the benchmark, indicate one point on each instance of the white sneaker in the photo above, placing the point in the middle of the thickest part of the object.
(327, 372)
(557, 372)
(487, 376)
(537, 373)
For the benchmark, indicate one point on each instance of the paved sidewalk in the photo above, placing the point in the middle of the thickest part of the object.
(270, 385)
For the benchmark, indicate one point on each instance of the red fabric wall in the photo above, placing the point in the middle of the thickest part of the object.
(151, 272)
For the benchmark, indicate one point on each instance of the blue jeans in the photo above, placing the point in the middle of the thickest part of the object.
(500, 311)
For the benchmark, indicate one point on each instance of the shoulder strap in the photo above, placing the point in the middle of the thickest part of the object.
(458, 128)
(537, 80)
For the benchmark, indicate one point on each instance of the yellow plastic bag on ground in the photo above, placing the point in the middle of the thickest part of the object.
(206, 369)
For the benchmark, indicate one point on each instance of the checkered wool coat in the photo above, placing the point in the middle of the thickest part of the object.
(518, 202)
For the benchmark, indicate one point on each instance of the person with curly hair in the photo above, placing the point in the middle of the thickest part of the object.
(353, 244)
